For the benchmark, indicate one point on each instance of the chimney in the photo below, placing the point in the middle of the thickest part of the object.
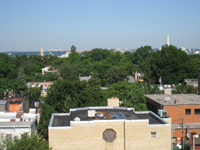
(114, 101)
(53, 68)
(19, 114)
(33, 82)
(199, 81)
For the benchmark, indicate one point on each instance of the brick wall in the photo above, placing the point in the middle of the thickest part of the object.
(176, 112)
(129, 135)
(15, 107)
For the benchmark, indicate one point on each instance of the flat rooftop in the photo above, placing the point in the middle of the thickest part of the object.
(175, 99)
(20, 124)
(115, 113)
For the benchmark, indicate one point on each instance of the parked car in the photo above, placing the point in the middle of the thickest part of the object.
(179, 145)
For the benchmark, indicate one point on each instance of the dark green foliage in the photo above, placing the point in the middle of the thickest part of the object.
(46, 112)
(34, 94)
(170, 64)
(115, 74)
(26, 142)
(94, 83)
(69, 71)
(182, 89)
(60, 92)
(73, 49)
(131, 94)
(13, 84)
(98, 54)
(151, 89)
(21, 75)
(142, 54)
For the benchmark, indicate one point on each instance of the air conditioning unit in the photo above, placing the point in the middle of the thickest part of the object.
(91, 113)
(162, 113)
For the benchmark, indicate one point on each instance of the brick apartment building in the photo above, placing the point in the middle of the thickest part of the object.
(179, 107)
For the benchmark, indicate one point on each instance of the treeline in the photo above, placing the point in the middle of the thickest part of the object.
(172, 64)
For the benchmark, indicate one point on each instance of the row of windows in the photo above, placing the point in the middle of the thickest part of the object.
(188, 111)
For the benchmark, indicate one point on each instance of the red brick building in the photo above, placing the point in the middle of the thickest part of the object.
(179, 107)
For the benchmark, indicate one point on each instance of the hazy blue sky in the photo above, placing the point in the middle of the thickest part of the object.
(25, 25)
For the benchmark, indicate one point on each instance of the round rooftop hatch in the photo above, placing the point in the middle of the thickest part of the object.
(109, 135)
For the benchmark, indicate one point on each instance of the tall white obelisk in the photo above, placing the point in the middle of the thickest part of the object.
(167, 39)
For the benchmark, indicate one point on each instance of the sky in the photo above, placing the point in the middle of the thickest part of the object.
(26, 25)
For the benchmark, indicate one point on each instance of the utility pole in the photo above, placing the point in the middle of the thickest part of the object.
(182, 133)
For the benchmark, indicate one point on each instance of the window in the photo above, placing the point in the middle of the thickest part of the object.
(188, 111)
(197, 111)
(153, 135)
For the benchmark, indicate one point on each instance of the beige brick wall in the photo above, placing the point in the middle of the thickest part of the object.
(86, 136)
(138, 136)
(113, 102)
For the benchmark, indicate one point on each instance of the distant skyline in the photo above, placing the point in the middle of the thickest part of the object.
(26, 25)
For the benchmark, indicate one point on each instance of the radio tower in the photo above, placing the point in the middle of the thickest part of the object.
(167, 39)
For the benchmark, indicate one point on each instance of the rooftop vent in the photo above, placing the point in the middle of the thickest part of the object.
(77, 119)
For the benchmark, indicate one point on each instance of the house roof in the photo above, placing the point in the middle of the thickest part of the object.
(116, 113)
(131, 79)
(3, 102)
(175, 99)
(21, 124)
(84, 78)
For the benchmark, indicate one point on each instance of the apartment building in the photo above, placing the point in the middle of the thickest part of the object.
(109, 127)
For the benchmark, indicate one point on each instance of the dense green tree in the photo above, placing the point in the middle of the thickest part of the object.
(131, 94)
(34, 94)
(61, 90)
(151, 89)
(46, 112)
(26, 142)
(8, 69)
(69, 71)
(21, 75)
(13, 84)
(142, 54)
(91, 98)
(170, 64)
(101, 68)
(73, 49)
(184, 89)
(94, 83)
(97, 54)
(115, 74)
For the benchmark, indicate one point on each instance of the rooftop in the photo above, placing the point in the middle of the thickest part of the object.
(175, 99)
(103, 113)
(21, 124)
(3, 102)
